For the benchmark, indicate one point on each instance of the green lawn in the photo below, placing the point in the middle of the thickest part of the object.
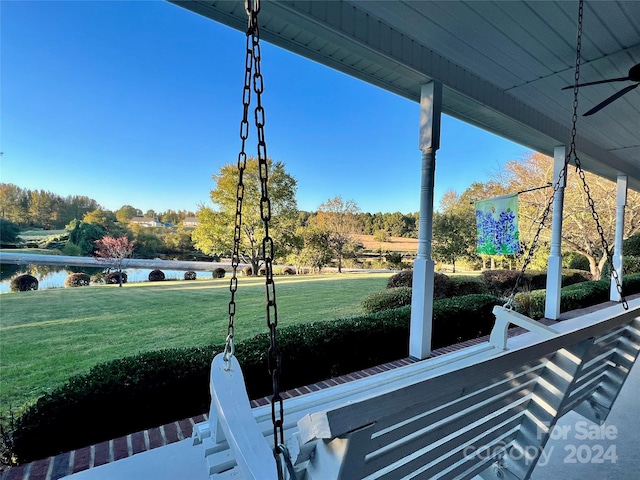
(48, 335)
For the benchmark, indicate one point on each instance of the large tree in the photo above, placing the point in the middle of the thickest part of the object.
(82, 237)
(340, 220)
(452, 237)
(215, 232)
(313, 249)
(14, 203)
(579, 232)
(107, 220)
(43, 208)
(126, 213)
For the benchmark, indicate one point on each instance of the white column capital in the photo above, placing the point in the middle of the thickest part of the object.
(430, 110)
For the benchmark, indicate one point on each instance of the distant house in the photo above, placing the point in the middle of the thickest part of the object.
(146, 222)
(190, 222)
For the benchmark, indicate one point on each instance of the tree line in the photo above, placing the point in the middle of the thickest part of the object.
(330, 234)
(47, 210)
(302, 236)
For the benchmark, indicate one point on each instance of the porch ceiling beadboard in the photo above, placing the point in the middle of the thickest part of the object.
(502, 63)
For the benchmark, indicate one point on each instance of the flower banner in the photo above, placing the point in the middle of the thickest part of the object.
(497, 226)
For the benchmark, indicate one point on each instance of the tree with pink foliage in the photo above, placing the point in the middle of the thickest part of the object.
(116, 250)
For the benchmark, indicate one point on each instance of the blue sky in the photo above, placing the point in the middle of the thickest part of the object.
(139, 103)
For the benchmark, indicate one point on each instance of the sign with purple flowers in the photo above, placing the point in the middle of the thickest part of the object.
(497, 226)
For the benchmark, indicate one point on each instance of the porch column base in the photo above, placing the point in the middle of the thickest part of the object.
(554, 287)
(421, 309)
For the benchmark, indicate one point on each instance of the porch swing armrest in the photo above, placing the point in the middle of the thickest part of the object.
(506, 317)
(234, 417)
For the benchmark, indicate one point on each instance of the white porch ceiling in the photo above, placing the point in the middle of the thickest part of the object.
(502, 63)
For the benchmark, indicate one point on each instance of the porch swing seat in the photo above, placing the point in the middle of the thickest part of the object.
(435, 418)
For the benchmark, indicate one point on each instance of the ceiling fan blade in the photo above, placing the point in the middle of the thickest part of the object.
(609, 80)
(611, 99)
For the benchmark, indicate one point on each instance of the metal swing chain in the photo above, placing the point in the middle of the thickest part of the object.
(563, 173)
(581, 174)
(274, 356)
(229, 348)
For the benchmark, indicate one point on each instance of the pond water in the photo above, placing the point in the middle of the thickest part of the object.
(53, 277)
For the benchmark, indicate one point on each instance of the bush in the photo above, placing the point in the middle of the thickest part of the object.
(535, 280)
(631, 245)
(155, 388)
(467, 286)
(190, 275)
(156, 276)
(441, 286)
(247, 271)
(262, 271)
(401, 279)
(441, 283)
(23, 283)
(289, 271)
(387, 299)
(500, 282)
(462, 318)
(219, 273)
(77, 280)
(113, 278)
(576, 276)
(630, 265)
(577, 261)
(579, 295)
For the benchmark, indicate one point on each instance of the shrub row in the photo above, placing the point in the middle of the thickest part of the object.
(575, 296)
(163, 386)
(387, 299)
(495, 282)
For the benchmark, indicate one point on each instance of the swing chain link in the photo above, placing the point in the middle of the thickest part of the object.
(274, 356)
(573, 151)
(229, 348)
(563, 173)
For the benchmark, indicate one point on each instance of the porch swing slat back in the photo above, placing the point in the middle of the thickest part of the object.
(438, 419)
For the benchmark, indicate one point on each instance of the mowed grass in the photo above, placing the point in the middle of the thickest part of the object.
(47, 336)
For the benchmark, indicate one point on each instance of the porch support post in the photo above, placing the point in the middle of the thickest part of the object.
(554, 266)
(423, 267)
(621, 203)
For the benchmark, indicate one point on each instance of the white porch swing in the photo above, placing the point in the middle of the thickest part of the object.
(486, 410)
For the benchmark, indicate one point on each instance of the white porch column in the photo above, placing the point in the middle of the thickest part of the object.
(423, 267)
(554, 266)
(621, 203)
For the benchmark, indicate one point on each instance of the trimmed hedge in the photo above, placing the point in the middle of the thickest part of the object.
(219, 273)
(190, 275)
(23, 283)
(571, 277)
(575, 296)
(247, 271)
(77, 280)
(461, 285)
(401, 279)
(441, 283)
(387, 299)
(155, 388)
